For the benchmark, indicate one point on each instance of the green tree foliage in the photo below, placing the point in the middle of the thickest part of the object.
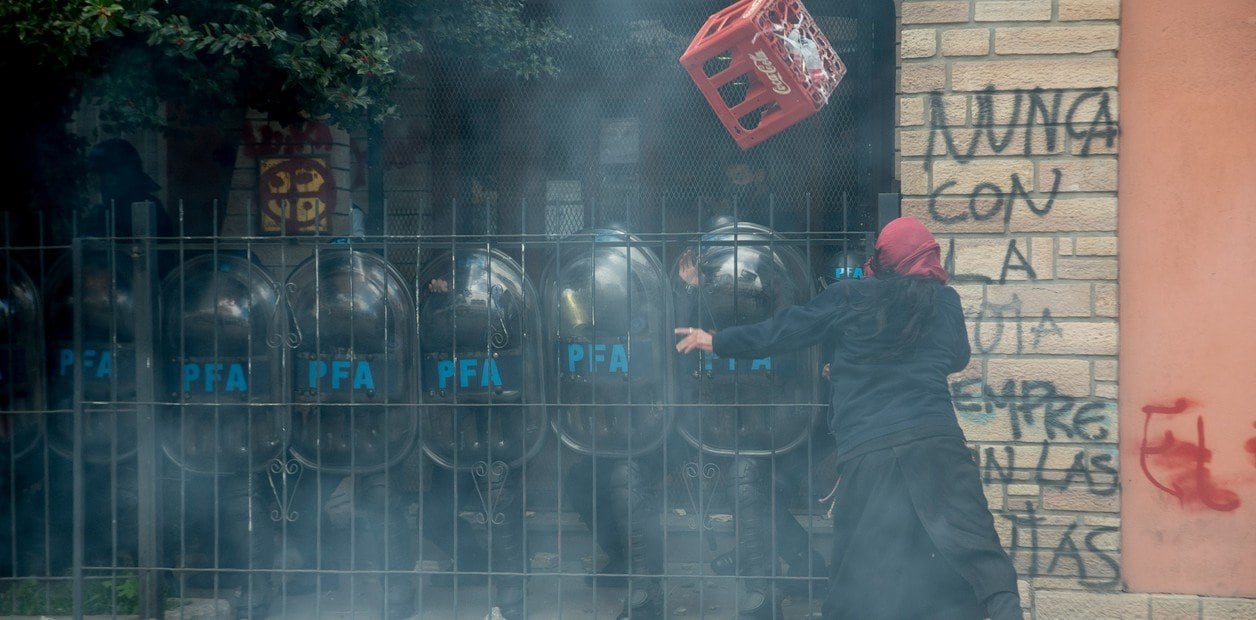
(136, 60)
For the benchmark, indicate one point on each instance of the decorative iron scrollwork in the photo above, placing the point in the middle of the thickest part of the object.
(278, 336)
(702, 481)
(284, 491)
(489, 481)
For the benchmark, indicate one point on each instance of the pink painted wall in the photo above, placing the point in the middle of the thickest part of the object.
(1188, 296)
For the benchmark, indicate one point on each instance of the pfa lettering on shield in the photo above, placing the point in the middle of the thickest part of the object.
(97, 363)
(211, 377)
(715, 364)
(595, 358)
(339, 375)
(473, 373)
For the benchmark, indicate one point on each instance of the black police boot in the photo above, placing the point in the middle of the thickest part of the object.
(386, 543)
(751, 485)
(249, 544)
(505, 530)
(633, 500)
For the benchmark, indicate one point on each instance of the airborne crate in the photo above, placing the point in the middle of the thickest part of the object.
(763, 65)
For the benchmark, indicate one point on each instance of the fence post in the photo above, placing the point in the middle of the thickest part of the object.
(144, 281)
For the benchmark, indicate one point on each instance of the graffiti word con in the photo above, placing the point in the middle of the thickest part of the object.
(1004, 198)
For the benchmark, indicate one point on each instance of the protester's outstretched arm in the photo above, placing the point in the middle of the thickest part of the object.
(792, 328)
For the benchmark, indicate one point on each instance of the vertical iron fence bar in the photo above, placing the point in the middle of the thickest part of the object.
(113, 401)
(76, 464)
(8, 419)
(144, 284)
(387, 413)
(422, 412)
(555, 400)
(215, 481)
(182, 406)
(456, 421)
(376, 209)
(815, 394)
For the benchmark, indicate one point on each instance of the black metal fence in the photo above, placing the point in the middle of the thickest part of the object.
(294, 427)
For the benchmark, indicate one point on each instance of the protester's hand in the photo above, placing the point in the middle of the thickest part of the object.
(438, 285)
(686, 269)
(694, 339)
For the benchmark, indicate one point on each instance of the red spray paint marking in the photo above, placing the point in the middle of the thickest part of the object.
(1190, 480)
(1178, 406)
(1250, 446)
(266, 140)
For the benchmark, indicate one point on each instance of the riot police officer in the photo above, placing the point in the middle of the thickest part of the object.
(353, 419)
(106, 362)
(612, 390)
(483, 412)
(21, 404)
(750, 416)
(222, 357)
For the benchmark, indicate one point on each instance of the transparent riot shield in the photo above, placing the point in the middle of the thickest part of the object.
(482, 361)
(352, 370)
(609, 302)
(21, 364)
(222, 366)
(106, 357)
(744, 273)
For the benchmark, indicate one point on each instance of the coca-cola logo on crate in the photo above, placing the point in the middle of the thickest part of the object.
(768, 69)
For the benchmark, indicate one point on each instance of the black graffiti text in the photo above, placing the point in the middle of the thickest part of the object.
(1066, 552)
(1029, 403)
(1030, 108)
(1097, 471)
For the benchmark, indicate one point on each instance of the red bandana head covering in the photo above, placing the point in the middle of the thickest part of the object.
(907, 248)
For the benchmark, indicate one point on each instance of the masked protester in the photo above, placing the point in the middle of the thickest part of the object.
(913, 535)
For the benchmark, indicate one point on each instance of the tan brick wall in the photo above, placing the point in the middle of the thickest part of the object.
(1007, 150)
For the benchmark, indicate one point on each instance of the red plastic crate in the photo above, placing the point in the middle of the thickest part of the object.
(763, 65)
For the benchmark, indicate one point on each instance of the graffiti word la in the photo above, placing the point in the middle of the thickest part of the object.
(467, 369)
(98, 361)
(339, 373)
(211, 375)
(595, 358)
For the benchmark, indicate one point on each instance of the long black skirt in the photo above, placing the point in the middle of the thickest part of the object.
(914, 537)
